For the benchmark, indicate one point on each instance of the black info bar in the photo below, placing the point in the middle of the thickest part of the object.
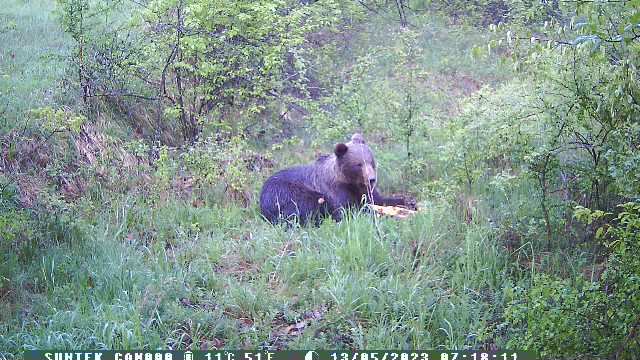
(279, 355)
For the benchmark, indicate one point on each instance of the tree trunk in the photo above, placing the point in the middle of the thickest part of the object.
(401, 13)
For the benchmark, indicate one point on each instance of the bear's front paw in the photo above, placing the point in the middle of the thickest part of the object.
(410, 203)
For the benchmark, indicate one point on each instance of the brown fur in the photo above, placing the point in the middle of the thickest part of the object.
(347, 178)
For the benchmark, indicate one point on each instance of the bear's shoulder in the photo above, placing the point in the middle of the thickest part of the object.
(322, 158)
(298, 172)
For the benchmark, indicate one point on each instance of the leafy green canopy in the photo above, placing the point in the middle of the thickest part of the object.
(198, 61)
(570, 125)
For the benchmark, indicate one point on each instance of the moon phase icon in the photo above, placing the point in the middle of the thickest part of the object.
(311, 355)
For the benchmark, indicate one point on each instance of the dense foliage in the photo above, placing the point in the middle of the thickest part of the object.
(581, 317)
(572, 128)
(196, 64)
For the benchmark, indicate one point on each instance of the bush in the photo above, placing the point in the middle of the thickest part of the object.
(580, 318)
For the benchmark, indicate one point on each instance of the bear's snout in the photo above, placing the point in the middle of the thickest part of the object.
(370, 175)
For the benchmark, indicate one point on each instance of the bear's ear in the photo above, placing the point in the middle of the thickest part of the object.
(340, 149)
(357, 138)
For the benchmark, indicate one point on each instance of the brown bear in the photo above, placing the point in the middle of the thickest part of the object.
(347, 178)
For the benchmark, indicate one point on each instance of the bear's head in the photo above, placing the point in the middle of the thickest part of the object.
(355, 163)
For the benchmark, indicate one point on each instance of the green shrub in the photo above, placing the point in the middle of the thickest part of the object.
(577, 318)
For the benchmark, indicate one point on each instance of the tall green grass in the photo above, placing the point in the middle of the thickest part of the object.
(31, 60)
(222, 273)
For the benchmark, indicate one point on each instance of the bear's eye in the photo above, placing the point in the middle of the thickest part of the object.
(359, 164)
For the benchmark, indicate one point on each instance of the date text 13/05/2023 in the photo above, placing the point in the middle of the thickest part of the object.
(371, 355)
